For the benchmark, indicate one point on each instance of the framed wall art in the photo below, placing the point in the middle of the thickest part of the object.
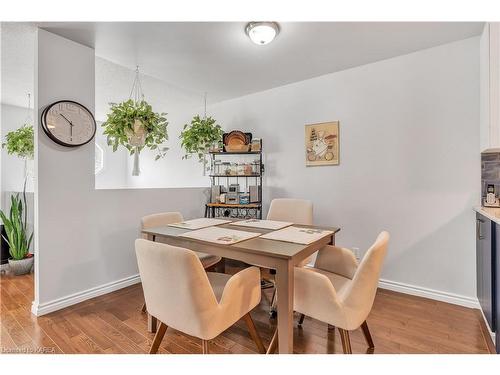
(322, 144)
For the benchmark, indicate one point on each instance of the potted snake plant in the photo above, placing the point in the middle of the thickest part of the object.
(134, 125)
(16, 229)
(20, 143)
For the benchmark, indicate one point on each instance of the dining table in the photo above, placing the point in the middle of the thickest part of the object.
(281, 256)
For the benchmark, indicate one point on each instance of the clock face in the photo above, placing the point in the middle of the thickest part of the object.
(68, 123)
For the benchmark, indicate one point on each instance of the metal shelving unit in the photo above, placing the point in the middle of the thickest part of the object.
(247, 210)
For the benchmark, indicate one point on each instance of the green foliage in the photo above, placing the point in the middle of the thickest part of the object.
(120, 123)
(16, 229)
(199, 136)
(20, 142)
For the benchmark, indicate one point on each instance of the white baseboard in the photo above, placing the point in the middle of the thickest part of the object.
(438, 295)
(492, 334)
(72, 299)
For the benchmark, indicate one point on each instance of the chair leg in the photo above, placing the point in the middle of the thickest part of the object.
(204, 346)
(143, 308)
(274, 343)
(152, 323)
(158, 337)
(367, 334)
(301, 319)
(346, 341)
(254, 334)
(274, 302)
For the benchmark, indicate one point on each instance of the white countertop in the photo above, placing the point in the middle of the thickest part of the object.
(490, 212)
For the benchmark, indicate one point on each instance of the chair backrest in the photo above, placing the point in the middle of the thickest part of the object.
(176, 288)
(360, 294)
(158, 220)
(297, 211)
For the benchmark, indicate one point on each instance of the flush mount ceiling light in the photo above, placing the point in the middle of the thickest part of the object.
(262, 32)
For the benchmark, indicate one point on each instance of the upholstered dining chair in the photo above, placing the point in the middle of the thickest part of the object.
(297, 211)
(181, 295)
(165, 218)
(338, 291)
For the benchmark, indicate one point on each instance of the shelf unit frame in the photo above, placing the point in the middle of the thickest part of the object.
(236, 210)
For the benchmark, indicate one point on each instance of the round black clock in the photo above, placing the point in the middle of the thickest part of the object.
(68, 123)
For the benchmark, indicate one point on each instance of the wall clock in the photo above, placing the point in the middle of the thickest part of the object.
(68, 123)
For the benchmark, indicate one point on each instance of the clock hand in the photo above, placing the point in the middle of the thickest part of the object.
(64, 117)
(70, 128)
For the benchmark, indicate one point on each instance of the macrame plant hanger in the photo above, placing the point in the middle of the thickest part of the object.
(205, 162)
(28, 122)
(138, 135)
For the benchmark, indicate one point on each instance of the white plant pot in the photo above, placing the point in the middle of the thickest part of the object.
(22, 266)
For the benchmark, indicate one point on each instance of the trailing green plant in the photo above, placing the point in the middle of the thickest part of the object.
(16, 229)
(199, 136)
(120, 125)
(20, 142)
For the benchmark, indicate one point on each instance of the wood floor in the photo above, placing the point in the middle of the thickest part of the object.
(113, 323)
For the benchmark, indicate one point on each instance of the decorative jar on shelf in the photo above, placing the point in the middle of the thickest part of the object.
(247, 168)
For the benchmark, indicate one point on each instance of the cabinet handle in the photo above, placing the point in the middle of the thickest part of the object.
(479, 236)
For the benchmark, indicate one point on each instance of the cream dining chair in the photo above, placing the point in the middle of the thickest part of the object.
(297, 211)
(338, 291)
(181, 295)
(165, 218)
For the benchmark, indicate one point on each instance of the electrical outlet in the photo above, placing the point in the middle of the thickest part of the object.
(355, 250)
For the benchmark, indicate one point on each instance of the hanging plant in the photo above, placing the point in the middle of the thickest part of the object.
(135, 126)
(20, 142)
(199, 136)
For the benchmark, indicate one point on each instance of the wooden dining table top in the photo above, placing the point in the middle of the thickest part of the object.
(256, 245)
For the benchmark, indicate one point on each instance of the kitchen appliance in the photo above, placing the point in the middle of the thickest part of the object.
(216, 192)
(254, 193)
(233, 193)
(244, 198)
(491, 199)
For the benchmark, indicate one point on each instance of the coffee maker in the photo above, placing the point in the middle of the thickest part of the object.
(491, 199)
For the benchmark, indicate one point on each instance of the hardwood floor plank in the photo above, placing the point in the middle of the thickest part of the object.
(113, 323)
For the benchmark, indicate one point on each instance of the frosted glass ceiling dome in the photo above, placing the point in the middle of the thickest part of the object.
(262, 32)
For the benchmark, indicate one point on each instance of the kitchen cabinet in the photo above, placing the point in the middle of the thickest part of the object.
(485, 256)
(496, 287)
(489, 87)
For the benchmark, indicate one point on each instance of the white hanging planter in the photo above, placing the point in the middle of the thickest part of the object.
(137, 138)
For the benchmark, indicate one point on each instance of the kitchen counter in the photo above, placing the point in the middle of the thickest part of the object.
(490, 212)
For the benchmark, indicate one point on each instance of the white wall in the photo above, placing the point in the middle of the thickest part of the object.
(409, 162)
(83, 237)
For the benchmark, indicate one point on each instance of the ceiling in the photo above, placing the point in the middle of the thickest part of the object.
(219, 58)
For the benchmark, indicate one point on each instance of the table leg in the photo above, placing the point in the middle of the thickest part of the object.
(284, 290)
(332, 239)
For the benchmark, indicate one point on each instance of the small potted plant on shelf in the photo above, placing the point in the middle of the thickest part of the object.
(134, 125)
(21, 260)
(199, 137)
